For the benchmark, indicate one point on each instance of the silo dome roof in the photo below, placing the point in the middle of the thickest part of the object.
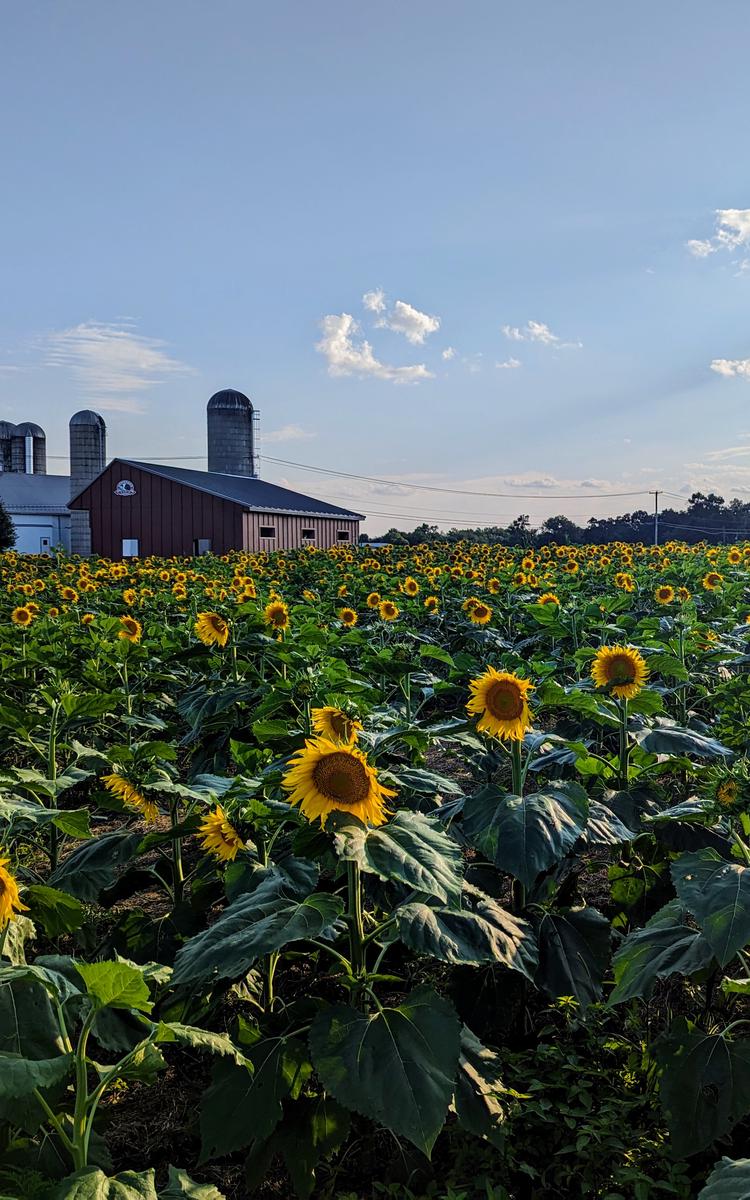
(86, 417)
(8, 429)
(29, 429)
(229, 398)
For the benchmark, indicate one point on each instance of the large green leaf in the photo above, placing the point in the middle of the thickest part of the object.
(397, 1066)
(665, 946)
(199, 1039)
(57, 912)
(668, 738)
(704, 1085)
(481, 932)
(314, 1129)
(180, 1184)
(717, 893)
(574, 949)
(479, 1087)
(729, 1180)
(115, 985)
(19, 1076)
(411, 849)
(525, 835)
(92, 1184)
(252, 926)
(95, 866)
(243, 1103)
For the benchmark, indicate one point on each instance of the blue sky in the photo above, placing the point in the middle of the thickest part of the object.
(544, 205)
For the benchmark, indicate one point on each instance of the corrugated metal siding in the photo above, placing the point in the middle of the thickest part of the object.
(289, 531)
(164, 516)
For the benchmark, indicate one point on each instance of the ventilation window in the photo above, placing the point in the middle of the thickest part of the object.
(268, 531)
(130, 547)
(308, 535)
(202, 546)
(342, 535)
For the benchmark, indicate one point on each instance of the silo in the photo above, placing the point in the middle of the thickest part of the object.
(7, 434)
(232, 423)
(34, 448)
(88, 458)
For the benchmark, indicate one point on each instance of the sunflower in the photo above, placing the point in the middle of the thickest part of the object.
(480, 614)
(712, 581)
(388, 610)
(410, 586)
(734, 556)
(22, 616)
(329, 777)
(10, 902)
(373, 600)
(129, 794)
(53, 612)
(664, 594)
(219, 837)
(335, 725)
(500, 699)
(129, 597)
(683, 594)
(348, 617)
(621, 669)
(727, 792)
(432, 604)
(69, 594)
(276, 614)
(548, 598)
(212, 629)
(131, 630)
(87, 619)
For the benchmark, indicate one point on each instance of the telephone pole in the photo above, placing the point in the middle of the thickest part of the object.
(656, 517)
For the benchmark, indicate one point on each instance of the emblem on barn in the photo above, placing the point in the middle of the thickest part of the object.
(125, 488)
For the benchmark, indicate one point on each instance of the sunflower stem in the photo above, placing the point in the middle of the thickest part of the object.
(516, 766)
(178, 872)
(354, 919)
(624, 746)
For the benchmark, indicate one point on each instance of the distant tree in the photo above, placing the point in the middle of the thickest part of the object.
(395, 537)
(7, 531)
(561, 530)
(519, 532)
(363, 539)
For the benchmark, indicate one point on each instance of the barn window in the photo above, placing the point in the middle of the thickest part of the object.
(201, 546)
(268, 531)
(308, 535)
(130, 547)
(342, 535)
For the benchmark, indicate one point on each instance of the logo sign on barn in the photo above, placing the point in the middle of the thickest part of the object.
(125, 488)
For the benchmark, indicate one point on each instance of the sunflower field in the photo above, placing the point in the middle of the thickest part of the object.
(378, 872)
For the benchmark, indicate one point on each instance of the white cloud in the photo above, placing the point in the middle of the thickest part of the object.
(111, 359)
(375, 301)
(535, 331)
(510, 364)
(731, 231)
(448, 353)
(288, 433)
(731, 367)
(413, 324)
(347, 355)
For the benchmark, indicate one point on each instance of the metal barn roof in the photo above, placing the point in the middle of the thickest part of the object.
(254, 495)
(34, 493)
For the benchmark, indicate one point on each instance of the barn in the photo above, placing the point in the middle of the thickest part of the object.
(139, 508)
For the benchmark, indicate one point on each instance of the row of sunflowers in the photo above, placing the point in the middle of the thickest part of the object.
(338, 846)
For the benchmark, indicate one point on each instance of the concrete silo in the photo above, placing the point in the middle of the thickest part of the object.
(88, 457)
(7, 434)
(232, 434)
(30, 449)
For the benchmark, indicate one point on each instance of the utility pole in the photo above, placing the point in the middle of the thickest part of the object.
(656, 517)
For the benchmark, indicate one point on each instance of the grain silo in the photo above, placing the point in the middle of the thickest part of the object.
(88, 457)
(7, 434)
(232, 434)
(30, 449)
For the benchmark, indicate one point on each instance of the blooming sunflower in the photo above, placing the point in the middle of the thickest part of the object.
(335, 724)
(712, 580)
(388, 610)
(212, 629)
(410, 586)
(130, 795)
(432, 604)
(373, 600)
(683, 594)
(129, 597)
(219, 837)
(621, 669)
(131, 631)
(480, 614)
(22, 616)
(500, 699)
(664, 594)
(276, 614)
(548, 598)
(348, 617)
(329, 777)
(87, 619)
(10, 901)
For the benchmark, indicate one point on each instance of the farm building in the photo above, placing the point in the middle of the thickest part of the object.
(138, 508)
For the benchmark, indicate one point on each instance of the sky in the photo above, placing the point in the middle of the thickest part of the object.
(480, 247)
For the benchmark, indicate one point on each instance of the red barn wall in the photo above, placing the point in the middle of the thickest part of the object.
(289, 531)
(166, 517)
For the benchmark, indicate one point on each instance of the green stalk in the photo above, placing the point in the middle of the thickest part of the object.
(518, 890)
(624, 753)
(54, 836)
(79, 1149)
(354, 919)
(178, 872)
